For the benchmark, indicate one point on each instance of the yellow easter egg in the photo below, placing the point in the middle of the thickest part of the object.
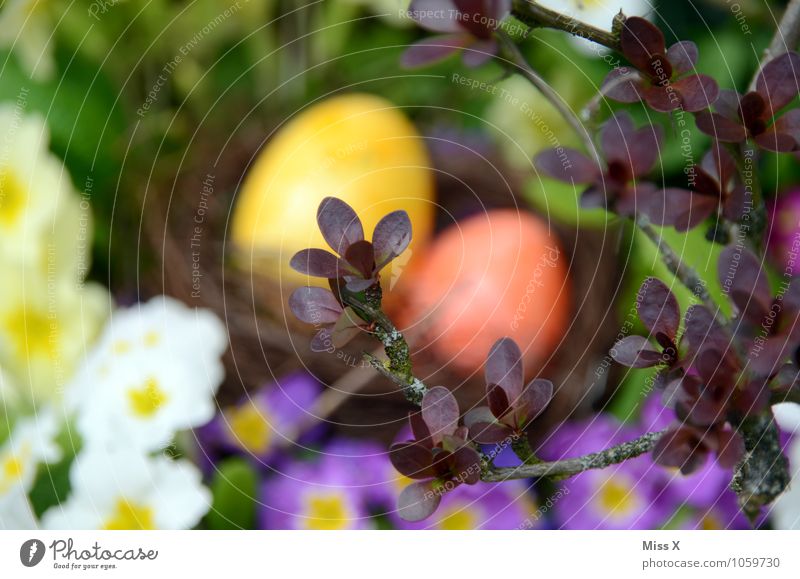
(357, 147)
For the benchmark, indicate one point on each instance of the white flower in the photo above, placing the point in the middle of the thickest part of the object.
(785, 510)
(154, 372)
(124, 489)
(47, 315)
(31, 442)
(597, 13)
(26, 27)
(787, 415)
(33, 182)
(45, 328)
(16, 513)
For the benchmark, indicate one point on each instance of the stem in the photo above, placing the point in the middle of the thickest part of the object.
(398, 366)
(522, 448)
(763, 474)
(572, 466)
(537, 16)
(515, 57)
(753, 223)
(683, 273)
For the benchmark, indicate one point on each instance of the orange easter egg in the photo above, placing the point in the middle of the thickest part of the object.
(501, 273)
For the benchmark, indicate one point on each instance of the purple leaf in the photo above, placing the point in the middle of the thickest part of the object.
(683, 56)
(435, 15)
(616, 135)
(701, 330)
(567, 165)
(719, 164)
(681, 209)
(339, 224)
(498, 9)
(680, 447)
(489, 433)
(440, 412)
(433, 49)
(730, 448)
(418, 501)
(391, 237)
(315, 305)
(412, 460)
(477, 53)
(663, 99)
(623, 85)
(645, 148)
(778, 81)
(467, 465)
(635, 352)
(319, 263)
(422, 433)
(475, 17)
(741, 277)
(772, 140)
(498, 401)
(697, 92)
(322, 341)
(658, 308)
(361, 256)
(640, 41)
(477, 415)
(721, 128)
(504, 367)
(535, 398)
(789, 123)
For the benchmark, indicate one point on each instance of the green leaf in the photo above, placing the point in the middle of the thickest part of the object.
(234, 490)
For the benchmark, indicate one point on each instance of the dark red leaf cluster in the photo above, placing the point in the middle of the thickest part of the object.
(717, 375)
(629, 154)
(466, 25)
(714, 189)
(757, 115)
(659, 312)
(660, 76)
(513, 405)
(354, 268)
(440, 456)
(358, 261)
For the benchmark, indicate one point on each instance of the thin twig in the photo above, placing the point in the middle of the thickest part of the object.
(521, 65)
(537, 16)
(682, 272)
(572, 466)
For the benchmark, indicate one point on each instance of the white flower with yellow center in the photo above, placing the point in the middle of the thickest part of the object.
(153, 373)
(33, 185)
(30, 443)
(125, 489)
(26, 28)
(45, 327)
(48, 316)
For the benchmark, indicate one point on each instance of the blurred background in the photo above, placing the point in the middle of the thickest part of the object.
(199, 138)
